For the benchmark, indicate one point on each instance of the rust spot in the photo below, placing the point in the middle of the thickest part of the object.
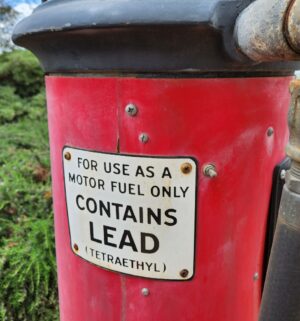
(118, 145)
(186, 168)
(75, 247)
(265, 31)
(292, 25)
(68, 156)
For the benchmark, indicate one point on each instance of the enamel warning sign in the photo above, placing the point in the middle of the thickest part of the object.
(132, 214)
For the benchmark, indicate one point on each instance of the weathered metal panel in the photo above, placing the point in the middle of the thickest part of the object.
(224, 122)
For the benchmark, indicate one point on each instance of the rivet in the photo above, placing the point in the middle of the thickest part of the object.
(144, 138)
(270, 131)
(68, 156)
(145, 291)
(75, 247)
(131, 110)
(186, 168)
(184, 273)
(210, 170)
(283, 174)
(256, 276)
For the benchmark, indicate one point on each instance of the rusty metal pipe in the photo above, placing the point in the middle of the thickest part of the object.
(292, 26)
(269, 30)
(281, 294)
(293, 147)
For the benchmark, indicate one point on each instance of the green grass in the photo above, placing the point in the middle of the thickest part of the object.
(27, 257)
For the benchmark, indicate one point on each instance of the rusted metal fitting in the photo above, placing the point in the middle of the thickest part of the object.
(292, 178)
(268, 30)
(293, 147)
(292, 26)
(283, 271)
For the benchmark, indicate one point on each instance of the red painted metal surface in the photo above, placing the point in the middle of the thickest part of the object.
(223, 121)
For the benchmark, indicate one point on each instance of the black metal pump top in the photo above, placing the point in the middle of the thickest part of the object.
(140, 36)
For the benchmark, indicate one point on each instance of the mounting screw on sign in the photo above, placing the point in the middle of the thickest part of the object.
(68, 156)
(184, 273)
(186, 168)
(75, 247)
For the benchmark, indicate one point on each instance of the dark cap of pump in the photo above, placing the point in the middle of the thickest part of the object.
(136, 36)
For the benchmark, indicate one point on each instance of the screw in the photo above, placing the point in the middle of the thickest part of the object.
(144, 138)
(256, 276)
(186, 168)
(283, 174)
(270, 131)
(131, 110)
(145, 291)
(184, 273)
(75, 247)
(68, 156)
(210, 170)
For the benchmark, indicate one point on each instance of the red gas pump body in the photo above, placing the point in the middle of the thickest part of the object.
(219, 121)
(198, 98)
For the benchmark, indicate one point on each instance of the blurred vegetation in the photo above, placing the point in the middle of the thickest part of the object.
(20, 70)
(27, 258)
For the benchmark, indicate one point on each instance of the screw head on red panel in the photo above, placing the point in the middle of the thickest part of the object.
(144, 138)
(131, 109)
(145, 291)
(210, 170)
(270, 131)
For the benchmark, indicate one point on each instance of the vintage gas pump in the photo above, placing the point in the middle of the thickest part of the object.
(167, 120)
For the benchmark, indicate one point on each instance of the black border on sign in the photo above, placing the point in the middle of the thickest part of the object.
(145, 156)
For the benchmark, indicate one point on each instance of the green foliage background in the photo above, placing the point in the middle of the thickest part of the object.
(27, 257)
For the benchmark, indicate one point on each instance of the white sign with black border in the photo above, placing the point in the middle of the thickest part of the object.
(132, 214)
